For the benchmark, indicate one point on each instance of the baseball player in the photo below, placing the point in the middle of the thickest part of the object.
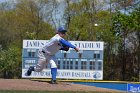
(47, 54)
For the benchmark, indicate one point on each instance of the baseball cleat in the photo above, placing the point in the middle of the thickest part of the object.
(53, 82)
(29, 71)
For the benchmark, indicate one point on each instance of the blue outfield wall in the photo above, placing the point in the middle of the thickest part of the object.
(126, 86)
(129, 87)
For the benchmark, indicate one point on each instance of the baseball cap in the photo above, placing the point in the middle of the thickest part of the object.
(62, 29)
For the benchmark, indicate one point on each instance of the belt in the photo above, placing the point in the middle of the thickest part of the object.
(43, 51)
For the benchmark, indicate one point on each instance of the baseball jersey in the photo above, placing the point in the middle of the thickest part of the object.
(55, 44)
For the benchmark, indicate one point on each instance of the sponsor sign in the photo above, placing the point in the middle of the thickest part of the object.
(67, 74)
(133, 88)
(83, 45)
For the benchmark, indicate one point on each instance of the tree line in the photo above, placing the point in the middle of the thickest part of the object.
(118, 26)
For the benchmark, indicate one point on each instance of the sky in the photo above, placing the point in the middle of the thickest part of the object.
(6, 0)
(2, 1)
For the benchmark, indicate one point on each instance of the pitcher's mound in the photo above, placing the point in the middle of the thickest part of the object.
(25, 84)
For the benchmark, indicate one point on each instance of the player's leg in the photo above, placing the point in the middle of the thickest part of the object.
(53, 69)
(39, 67)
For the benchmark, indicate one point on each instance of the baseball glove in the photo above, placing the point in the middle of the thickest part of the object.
(66, 48)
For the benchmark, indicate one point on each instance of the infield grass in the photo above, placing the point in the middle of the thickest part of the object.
(15, 91)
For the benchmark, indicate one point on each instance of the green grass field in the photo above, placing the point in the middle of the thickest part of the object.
(15, 91)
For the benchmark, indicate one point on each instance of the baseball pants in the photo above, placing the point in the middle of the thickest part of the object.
(44, 59)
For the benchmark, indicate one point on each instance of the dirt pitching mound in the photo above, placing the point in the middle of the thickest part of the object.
(25, 84)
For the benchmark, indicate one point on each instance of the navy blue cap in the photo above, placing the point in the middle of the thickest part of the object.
(61, 29)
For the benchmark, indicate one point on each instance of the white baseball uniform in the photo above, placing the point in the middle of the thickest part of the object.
(52, 47)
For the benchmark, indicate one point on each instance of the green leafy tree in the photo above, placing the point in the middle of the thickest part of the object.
(125, 27)
(135, 27)
(10, 63)
(24, 21)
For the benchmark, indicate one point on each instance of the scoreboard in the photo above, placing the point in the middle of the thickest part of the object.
(85, 64)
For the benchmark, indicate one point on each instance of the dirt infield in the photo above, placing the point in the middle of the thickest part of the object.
(25, 84)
